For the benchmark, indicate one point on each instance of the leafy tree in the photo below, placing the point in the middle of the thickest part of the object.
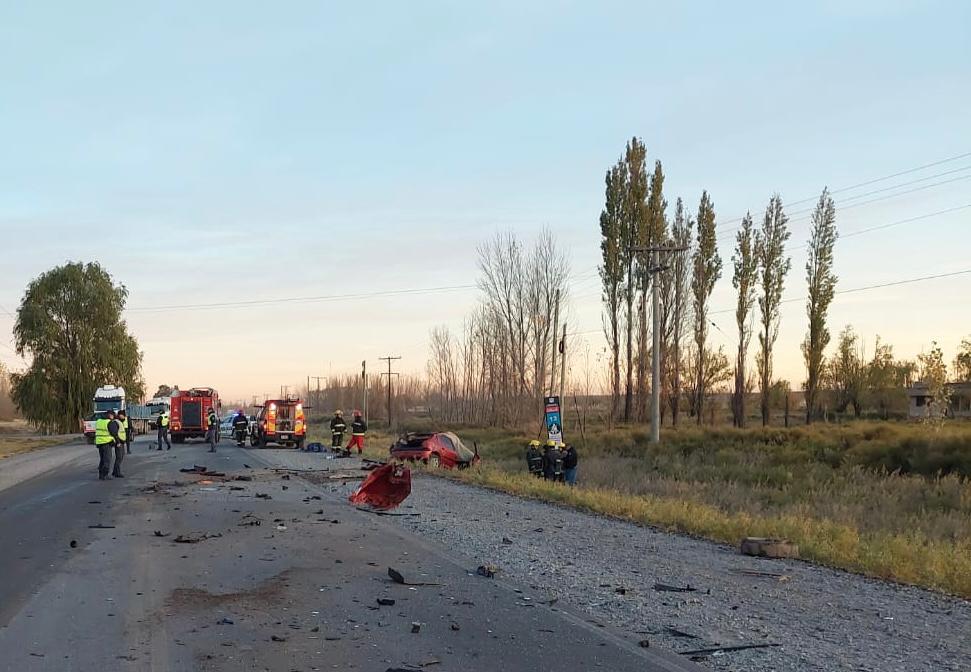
(634, 221)
(612, 273)
(962, 361)
(933, 373)
(770, 244)
(886, 378)
(69, 322)
(164, 391)
(746, 272)
(706, 269)
(846, 373)
(821, 281)
(715, 370)
(676, 296)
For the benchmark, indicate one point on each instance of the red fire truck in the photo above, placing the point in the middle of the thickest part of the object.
(187, 415)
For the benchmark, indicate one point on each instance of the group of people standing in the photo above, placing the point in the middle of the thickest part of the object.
(338, 427)
(557, 462)
(113, 435)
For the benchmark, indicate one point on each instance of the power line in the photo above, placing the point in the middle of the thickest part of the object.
(302, 299)
(871, 181)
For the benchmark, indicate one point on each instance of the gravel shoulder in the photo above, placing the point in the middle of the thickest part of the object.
(821, 619)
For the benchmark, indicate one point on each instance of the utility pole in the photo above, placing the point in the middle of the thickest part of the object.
(389, 359)
(316, 403)
(562, 349)
(364, 379)
(654, 267)
(556, 327)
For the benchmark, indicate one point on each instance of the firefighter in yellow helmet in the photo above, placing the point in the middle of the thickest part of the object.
(534, 458)
(337, 427)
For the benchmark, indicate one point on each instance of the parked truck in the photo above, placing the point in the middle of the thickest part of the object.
(144, 417)
(106, 398)
(188, 412)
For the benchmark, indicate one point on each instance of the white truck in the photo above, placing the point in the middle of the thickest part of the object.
(107, 398)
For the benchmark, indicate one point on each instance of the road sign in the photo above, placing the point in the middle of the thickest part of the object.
(554, 424)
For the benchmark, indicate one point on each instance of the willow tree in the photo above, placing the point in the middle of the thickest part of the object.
(70, 325)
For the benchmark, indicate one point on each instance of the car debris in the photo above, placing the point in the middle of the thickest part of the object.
(384, 488)
(386, 602)
(159, 533)
(455, 627)
(506, 540)
(225, 621)
(100, 526)
(74, 543)
(644, 643)
(674, 632)
(262, 495)
(278, 638)
(379, 512)
(415, 627)
(249, 520)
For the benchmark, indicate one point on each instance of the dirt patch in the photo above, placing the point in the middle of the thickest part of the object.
(268, 591)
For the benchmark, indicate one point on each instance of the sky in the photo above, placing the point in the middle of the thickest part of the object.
(223, 152)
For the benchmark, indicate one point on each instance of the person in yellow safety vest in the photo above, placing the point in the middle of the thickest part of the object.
(128, 431)
(163, 430)
(120, 443)
(105, 442)
(212, 430)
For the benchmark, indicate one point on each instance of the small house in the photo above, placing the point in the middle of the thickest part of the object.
(959, 400)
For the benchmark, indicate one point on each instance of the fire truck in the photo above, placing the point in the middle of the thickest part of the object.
(280, 421)
(188, 412)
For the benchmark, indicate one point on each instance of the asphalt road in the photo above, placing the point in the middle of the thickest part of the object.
(298, 591)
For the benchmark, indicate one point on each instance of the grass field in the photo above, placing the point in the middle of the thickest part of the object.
(14, 445)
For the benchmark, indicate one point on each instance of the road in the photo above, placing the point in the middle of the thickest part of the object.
(298, 591)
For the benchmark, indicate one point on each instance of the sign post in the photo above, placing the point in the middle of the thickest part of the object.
(554, 421)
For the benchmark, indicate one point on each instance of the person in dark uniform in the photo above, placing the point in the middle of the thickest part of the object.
(125, 430)
(212, 430)
(163, 430)
(105, 443)
(337, 427)
(358, 431)
(570, 460)
(117, 431)
(549, 459)
(240, 426)
(558, 475)
(534, 459)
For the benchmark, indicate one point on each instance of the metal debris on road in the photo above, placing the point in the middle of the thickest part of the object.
(262, 495)
(488, 571)
(159, 533)
(386, 601)
(195, 539)
(725, 649)
(99, 526)
(397, 577)
(665, 588)
(415, 627)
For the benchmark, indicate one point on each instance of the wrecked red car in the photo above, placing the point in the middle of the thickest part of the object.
(436, 449)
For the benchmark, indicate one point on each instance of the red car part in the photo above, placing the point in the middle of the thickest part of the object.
(385, 487)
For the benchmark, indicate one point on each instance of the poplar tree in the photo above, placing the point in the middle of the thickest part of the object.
(635, 208)
(821, 281)
(612, 273)
(770, 245)
(746, 273)
(680, 274)
(706, 269)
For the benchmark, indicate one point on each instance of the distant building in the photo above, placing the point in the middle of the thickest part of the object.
(959, 405)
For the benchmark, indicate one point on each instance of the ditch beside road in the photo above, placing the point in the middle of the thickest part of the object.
(815, 618)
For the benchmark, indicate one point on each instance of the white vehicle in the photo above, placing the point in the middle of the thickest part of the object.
(107, 398)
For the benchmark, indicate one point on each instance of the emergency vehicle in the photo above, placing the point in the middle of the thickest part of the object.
(188, 412)
(280, 421)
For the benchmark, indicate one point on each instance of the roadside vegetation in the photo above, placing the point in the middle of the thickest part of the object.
(883, 499)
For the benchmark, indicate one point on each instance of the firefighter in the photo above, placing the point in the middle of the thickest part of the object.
(240, 426)
(337, 427)
(358, 431)
(212, 430)
(126, 431)
(570, 459)
(558, 473)
(549, 459)
(105, 441)
(163, 430)
(116, 428)
(534, 459)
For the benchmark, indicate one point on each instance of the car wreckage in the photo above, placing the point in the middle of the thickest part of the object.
(436, 449)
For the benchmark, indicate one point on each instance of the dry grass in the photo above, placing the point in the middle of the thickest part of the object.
(14, 445)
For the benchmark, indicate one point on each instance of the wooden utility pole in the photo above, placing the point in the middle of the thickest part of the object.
(364, 378)
(556, 327)
(562, 349)
(389, 359)
(654, 267)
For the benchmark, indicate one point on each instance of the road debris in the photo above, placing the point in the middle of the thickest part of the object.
(386, 601)
(455, 627)
(488, 571)
(195, 539)
(262, 495)
(782, 578)
(674, 632)
(250, 520)
(159, 533)
(74, 543)
(278, 638)
(644, 643)
(725, 649)
(225, 621)
(665, 588)
(379, 512)
(385, 487)
(397, 577)
(99, 526)
(415, 627)
(768, 548)
(506, 540)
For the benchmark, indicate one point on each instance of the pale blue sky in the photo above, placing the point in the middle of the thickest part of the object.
(380, 144)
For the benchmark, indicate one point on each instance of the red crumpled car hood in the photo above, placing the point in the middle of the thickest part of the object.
(385, 487)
